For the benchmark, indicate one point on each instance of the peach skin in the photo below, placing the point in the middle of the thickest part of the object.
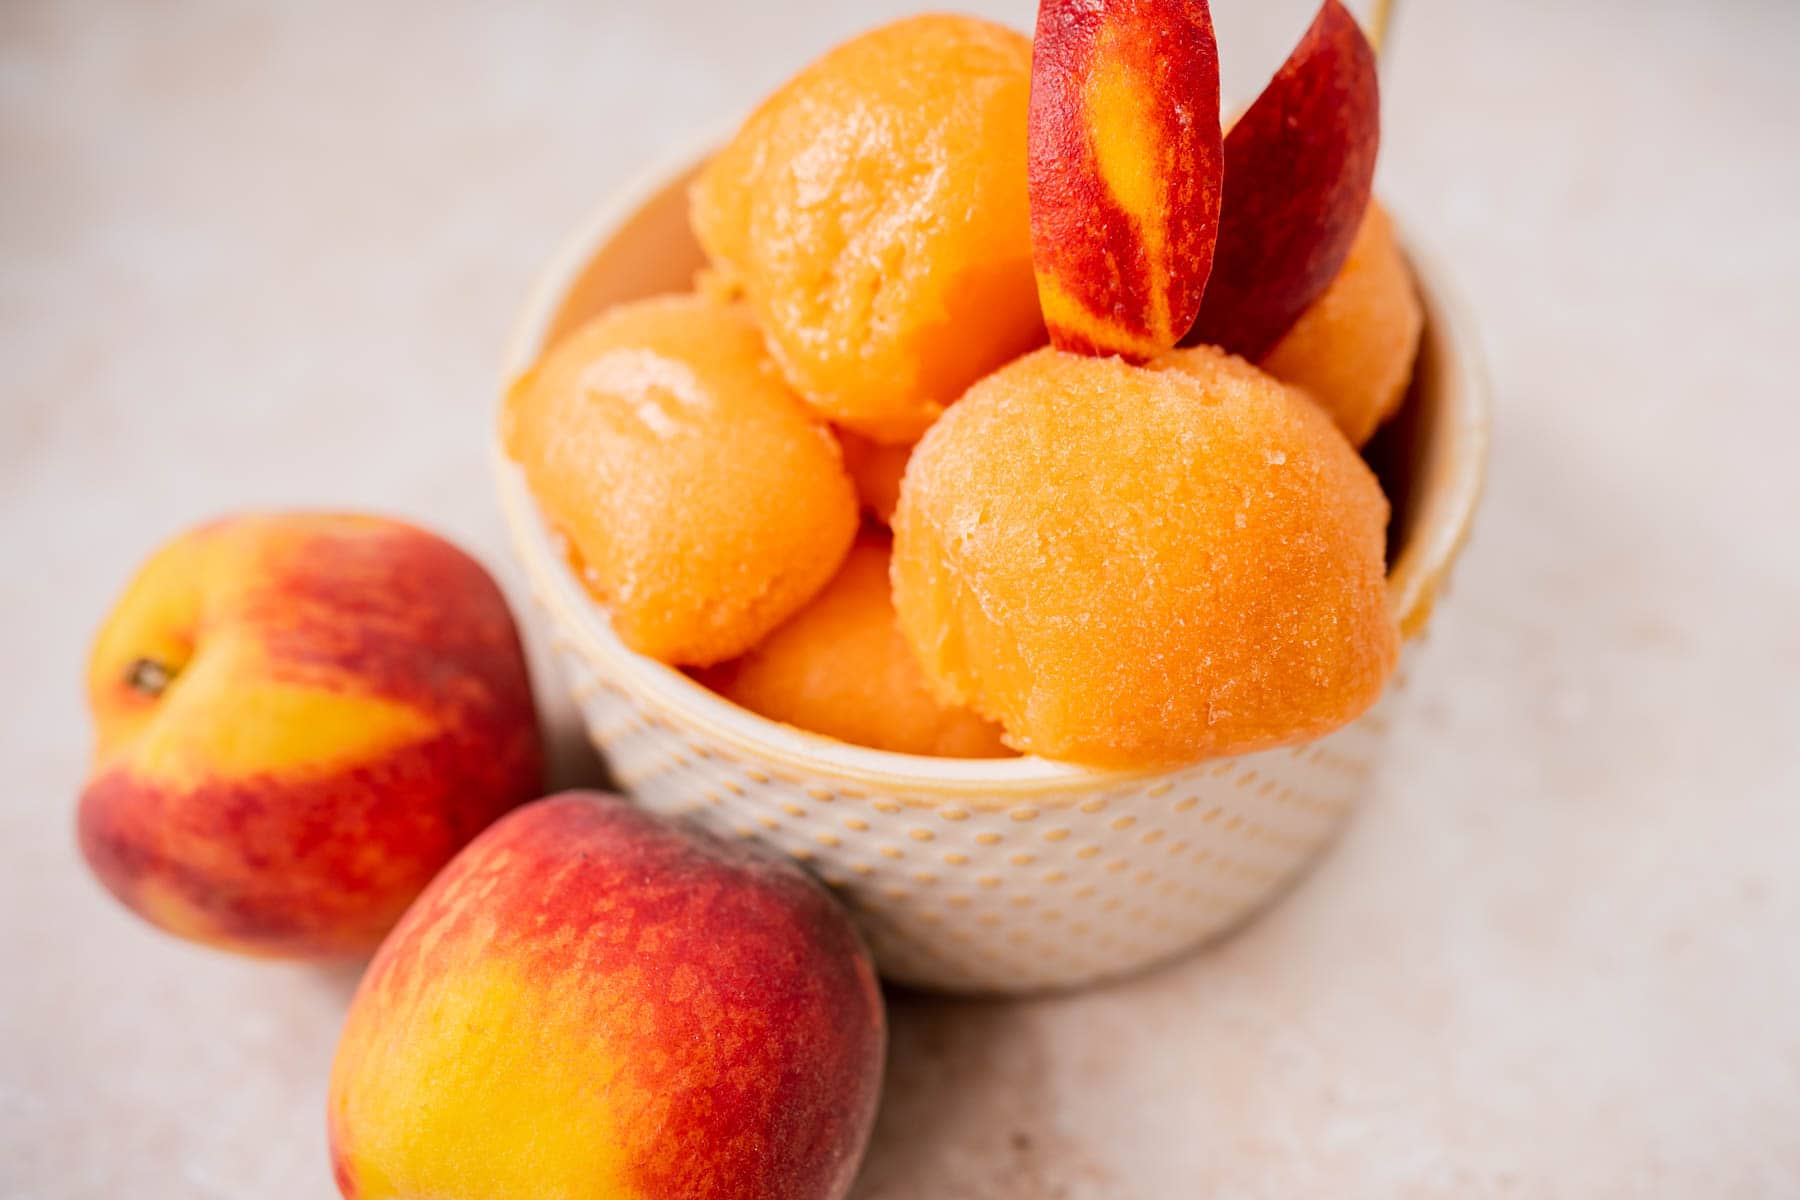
(592, 1001)
(300, 719)
(1125, 168)
(1298, 167)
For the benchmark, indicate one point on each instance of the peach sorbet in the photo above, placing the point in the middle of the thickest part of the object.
(1135, 566)
(841, 668)
(873, 210)
(701, 502)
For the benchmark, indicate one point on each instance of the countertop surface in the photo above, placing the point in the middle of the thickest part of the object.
(266, 255)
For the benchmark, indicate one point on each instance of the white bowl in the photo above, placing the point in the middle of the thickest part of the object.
(1000, 875)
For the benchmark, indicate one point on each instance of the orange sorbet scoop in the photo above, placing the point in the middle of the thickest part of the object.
(876, 470)
(1143, 566)
(873, 210)
(842, 669)
(1353, 348)
(700, 500)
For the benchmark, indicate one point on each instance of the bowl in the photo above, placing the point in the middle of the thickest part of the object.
(1000, 875)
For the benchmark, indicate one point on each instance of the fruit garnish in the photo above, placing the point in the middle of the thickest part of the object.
(1298, 169)
(1126, 163)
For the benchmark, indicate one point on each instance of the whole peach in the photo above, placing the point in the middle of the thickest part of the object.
(300, 719)
(593, 1001)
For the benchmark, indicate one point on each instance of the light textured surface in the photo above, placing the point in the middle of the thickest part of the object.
(267, 257)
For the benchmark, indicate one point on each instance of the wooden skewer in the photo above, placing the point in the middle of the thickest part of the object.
(1380, 16)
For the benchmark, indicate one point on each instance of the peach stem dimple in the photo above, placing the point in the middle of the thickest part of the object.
(149, 677)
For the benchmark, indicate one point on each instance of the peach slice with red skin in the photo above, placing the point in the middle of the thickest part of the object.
(1126, 162)
(1298, 169)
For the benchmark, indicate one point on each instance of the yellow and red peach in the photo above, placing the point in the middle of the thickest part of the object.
(1125, 168)
(593, 1001)
(1298, 167)
(300, 719)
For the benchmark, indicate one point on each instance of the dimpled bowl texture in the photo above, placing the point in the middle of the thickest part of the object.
(1000, 875)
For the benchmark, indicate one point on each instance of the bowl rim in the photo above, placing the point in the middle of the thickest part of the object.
(1417, 575)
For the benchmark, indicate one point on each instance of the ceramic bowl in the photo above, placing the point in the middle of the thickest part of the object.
(1007, 875)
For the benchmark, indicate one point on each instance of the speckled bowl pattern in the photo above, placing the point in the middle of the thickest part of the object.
(1009, 875)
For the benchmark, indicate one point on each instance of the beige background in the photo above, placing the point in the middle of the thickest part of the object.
(260, 255)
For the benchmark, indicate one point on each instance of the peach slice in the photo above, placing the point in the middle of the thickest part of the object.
(1298, 169)
(1126, 162)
